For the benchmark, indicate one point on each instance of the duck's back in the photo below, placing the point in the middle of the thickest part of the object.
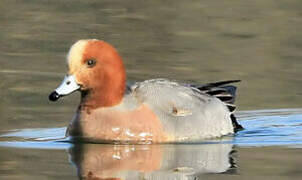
(187, 113)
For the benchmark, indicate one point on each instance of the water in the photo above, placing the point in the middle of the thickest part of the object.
(271, 141)
(190, 41)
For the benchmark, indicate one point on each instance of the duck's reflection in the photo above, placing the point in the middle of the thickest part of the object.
(95, 161)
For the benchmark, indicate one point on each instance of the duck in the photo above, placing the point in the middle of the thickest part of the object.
(151, 111)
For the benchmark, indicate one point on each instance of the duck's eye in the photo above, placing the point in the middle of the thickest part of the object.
(91, 62)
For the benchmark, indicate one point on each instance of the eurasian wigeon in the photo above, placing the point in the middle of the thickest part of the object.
(152, 111)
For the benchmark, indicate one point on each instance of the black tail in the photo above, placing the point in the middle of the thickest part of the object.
(226, 93)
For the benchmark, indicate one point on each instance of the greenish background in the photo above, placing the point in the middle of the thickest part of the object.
(256, 41)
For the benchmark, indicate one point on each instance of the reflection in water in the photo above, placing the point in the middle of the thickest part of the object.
(41, 152)
(199, 41)
(95, 161)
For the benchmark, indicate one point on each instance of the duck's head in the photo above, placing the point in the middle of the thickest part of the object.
(97, 70)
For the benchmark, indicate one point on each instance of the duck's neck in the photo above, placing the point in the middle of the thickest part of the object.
(107, 94)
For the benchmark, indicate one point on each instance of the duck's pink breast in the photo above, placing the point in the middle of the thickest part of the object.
(140, 125)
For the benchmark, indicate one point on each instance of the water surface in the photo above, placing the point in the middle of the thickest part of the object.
(256, 149)
(190, 41)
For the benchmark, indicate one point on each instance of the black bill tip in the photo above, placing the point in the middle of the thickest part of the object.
(54, 96)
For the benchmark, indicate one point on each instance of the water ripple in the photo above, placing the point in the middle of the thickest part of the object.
(281, 127)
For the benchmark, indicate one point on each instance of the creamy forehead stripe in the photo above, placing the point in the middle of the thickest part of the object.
(75, 54)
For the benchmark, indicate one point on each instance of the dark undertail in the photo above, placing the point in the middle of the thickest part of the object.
(237, 127)
(226, 93)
